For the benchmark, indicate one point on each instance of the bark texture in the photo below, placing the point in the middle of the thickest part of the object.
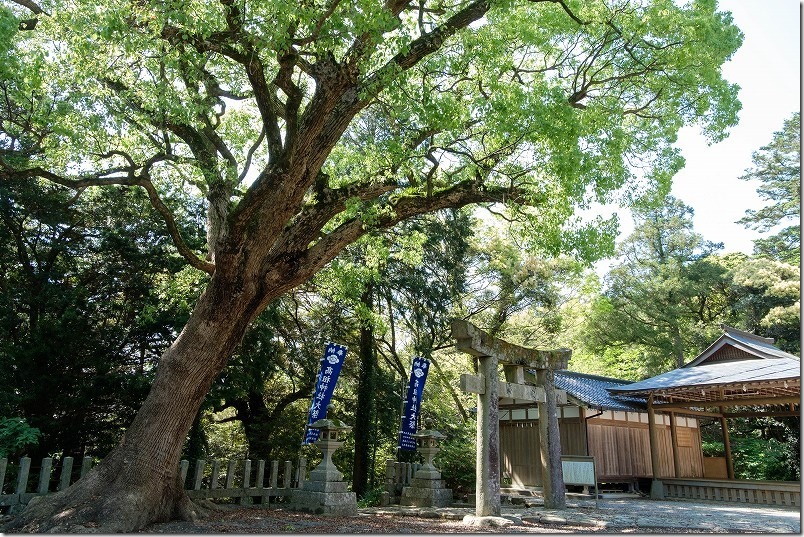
(364, 410)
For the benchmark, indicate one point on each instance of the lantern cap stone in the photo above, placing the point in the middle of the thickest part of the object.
(429, 433)
(330, 425)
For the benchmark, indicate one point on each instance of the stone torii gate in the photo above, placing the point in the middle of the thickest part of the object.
(490, 352)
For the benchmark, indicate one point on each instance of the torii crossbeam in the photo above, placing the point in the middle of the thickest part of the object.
(490, 352)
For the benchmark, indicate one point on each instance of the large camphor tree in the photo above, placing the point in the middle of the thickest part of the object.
(253, 106)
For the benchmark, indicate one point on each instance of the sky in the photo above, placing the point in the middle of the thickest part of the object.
(767, 67)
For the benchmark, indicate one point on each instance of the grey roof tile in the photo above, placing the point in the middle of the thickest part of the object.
(592, 391)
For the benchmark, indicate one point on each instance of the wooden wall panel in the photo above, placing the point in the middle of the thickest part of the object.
(621, 449)
(691, 456)
(519, 453)
(572, 437)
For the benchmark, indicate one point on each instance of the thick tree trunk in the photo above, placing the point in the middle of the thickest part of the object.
(364, 411)
(138, 482)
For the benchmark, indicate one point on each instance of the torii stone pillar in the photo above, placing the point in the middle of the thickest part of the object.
(490, 352)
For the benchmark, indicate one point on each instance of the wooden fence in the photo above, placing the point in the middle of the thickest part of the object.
(235, 479)
(240, 479)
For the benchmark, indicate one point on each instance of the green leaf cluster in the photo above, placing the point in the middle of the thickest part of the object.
(16, 435)
(777, 166)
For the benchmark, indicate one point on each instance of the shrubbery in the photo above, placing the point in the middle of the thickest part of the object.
(16, 435)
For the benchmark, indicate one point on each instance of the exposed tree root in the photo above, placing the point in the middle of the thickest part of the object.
(96, 505)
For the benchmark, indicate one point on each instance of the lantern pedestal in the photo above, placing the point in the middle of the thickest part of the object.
(427, 488)
(325, 493)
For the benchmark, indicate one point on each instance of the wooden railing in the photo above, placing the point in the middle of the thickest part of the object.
(238, 479)
(759, 492)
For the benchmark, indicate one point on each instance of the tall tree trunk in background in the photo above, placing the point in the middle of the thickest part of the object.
(364, 412)
(259, 421)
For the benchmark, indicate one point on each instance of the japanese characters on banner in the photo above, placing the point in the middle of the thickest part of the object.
(331, 364)
(418, 375)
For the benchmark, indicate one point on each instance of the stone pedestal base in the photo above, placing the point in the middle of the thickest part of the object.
(656, 490)
(324, 498)
(426, 493)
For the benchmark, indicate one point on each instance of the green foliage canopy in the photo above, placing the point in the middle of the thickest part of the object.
(665, 295)
(251, 107)
(547, 104)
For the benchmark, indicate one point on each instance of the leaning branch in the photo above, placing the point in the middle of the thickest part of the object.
(30, 24)
(173, 229)
(426, 45)
(128, 180)
(312, 219)
(403, 208)
(33, 6)
(566, 9)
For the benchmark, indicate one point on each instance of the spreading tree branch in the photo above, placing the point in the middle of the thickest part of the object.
(109, 178)
(30, 24)
(402, 208)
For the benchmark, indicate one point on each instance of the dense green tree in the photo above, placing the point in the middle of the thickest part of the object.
(519, 295)
(764, 296)
(423, 287)
(778, 167)
(665, 297)
(542, 105)
(269, 378)
(79, 295)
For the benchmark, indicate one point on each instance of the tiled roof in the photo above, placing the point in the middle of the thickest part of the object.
(591, 391)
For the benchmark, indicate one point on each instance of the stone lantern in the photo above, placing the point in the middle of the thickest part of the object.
(427, 488)
(330, 439)
(429, 444)
(325, 492)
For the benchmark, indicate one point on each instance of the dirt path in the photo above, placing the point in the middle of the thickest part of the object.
(244, 520)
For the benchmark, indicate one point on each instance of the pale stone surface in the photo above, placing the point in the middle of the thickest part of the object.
(489, 352)
(324, 503)
(434, 496)
(487, 485)
(324, 486)
(324, 493)
(427, 489)
(491, 521)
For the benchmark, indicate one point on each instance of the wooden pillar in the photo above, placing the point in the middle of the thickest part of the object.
(584, 433)
(674, 445)
(487, 481)
(727, 445)
(550, 444)
(656, 488)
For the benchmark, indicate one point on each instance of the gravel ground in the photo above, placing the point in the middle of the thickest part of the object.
(244, 520)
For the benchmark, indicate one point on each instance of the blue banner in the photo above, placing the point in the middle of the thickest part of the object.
(331, 364)
(418, 375)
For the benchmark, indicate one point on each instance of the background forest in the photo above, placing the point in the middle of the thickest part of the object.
(92, 292)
